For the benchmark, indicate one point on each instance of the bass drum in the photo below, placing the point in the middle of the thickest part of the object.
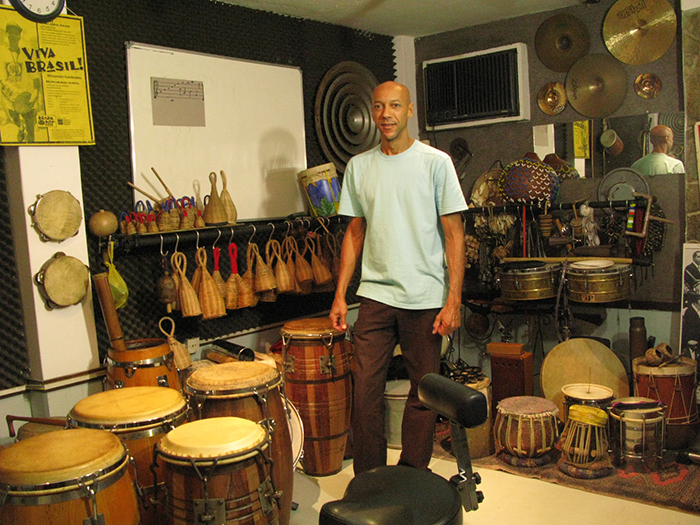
(529, 280)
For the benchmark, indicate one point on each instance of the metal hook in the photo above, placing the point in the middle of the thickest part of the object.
(253, 235)
(197, 245)
(217, 239)
(289, 228)
(177, 241)
(161, 246)
(272, 232)
(230, 239)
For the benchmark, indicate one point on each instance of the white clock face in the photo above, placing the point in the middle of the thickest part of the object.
(39, 10)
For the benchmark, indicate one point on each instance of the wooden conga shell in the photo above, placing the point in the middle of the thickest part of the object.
(317, 362)
(43, 476)
(250, 390)
(146, 362)
(232, 453)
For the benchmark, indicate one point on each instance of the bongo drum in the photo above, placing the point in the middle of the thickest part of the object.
(529, 280)
(250, 390)
(318, 382)
(586, 394)
(584, 443)
(70, 476)
(217, 471)
(146, 362)
(636, 430)
(140, 416)
(674, 385)
(526, 427)
(602, 283)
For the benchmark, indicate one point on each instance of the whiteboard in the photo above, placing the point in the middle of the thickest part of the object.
(245, 118)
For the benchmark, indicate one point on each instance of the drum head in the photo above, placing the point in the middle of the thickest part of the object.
(65, 280)
(581, 361)
(134, 406)
(235, 376)
(593, 264)
(310, 328)
(57, 215)
(213, 438)
(684, 366)
(527, 406)
(59, 457)
(587, 392)
(522, 265)
(296, 431)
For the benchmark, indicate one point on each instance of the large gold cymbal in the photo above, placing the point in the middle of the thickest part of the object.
(560, 41)
(596, 85)
(639, 31)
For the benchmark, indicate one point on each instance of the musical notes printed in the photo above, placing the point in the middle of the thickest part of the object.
(177, 102)
(171, 89)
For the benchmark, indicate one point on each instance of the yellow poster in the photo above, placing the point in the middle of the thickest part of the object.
(582, 139)
(44, 89)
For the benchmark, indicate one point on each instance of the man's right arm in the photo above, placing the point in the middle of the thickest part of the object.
(352, 248)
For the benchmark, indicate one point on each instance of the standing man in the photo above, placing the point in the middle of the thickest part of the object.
(405, 202)
(659, 161)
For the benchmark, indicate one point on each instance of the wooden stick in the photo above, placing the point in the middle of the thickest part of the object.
(166, 187)
(57, 421)
(616, 260)
(109, 311)
(154, 199)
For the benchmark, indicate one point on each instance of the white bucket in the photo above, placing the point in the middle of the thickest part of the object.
(395, 396)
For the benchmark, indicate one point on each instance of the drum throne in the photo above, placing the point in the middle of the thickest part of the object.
(398, 494)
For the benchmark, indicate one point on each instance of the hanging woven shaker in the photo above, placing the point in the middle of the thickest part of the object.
(214, 211)
(189, 302)
(210, 299)
(227, 201)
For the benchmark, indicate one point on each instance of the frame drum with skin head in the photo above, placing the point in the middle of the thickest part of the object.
(62, 281)
(56, 216)
(581, 361)
(48, 479)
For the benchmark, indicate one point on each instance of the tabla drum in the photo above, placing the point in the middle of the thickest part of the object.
(636, 428)
(217, 470)
(605, 283)
(70, 476)
(56, 215)
(140, 416)
(146, 362)
(584, 443)
(250, 390)
(675, 385)
(62, 281)
(586, 394)
(528, 280)
(526, 427)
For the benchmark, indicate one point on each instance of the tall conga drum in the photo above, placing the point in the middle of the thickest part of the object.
(140, 416)
(146, 362)
(69, 476)
(250, 390)
(217, 470)
(317, 380)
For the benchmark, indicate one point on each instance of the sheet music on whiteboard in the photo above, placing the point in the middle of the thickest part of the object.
(251, 126)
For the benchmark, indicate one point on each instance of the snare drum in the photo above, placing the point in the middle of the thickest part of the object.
(526, 427)
(296, 430)
(529, 280)
(70, 476)
(146, 362)
(140, 416)
(605, 282)
(674, 385)
(584, 441)
(249, 390)
(636, 430)
(217, 471)
(317, 380)
(586, 394)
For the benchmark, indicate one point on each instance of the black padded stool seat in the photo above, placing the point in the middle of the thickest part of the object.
(395, 495)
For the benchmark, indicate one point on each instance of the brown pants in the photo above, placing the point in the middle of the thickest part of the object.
(377, 331)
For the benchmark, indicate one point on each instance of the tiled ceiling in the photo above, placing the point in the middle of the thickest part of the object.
(406, 17)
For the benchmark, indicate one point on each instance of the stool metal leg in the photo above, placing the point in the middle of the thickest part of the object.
(466, 480)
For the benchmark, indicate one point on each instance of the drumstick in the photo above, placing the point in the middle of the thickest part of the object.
(109, 311)
(166, 187)
(154, 199)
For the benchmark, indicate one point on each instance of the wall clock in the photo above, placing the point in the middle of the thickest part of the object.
(39, 10)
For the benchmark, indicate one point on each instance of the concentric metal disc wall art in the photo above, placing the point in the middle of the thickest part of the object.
(343, 112)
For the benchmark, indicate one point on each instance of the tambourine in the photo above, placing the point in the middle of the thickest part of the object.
(62, 281)
(56, 215)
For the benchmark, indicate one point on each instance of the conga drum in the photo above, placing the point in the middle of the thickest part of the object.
(317, 380)
(217, 471)
(674, 385)
(140, 416)
(526, 428)
(584, 443)
(146, 362)
(250, 390)
(636, 428)
(70, 476)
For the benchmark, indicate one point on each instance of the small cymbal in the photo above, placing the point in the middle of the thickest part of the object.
(552, 98)
(647, 85)
(560, 41)
(638, 32)
(596, 85)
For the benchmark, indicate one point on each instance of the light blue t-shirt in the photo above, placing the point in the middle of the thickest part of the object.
(658, 164)
(402, 198)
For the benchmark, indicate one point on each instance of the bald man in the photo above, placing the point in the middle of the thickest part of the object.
(659, 161)
(405, 201)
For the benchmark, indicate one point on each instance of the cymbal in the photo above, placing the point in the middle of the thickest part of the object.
(647, 85)
(596, 85)
(639, 32)
(552, 98)
(560, 41)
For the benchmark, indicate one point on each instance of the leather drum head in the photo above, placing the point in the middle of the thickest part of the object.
(596, 85)
(560, 41)
(581, 361)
